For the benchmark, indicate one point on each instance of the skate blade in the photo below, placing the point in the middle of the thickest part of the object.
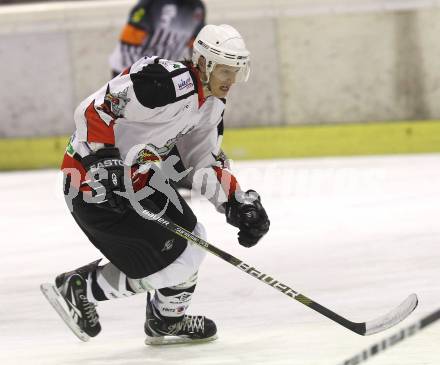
(176, 340)
(58, 303)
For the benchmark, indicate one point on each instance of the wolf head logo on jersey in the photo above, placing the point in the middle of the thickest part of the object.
(115, 103)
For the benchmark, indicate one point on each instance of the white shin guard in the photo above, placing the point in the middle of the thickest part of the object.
(174, 301)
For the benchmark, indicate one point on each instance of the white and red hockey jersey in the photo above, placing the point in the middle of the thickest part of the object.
(155, 105)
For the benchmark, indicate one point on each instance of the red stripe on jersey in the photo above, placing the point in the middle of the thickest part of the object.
(76, 170)
(97, 129)
(126, 71)
(228, 181)
(200, 92)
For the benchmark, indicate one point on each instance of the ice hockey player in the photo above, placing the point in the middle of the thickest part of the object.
(164, 28)
(135, 120)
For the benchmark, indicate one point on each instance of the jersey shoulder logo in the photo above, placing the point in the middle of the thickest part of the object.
(115, 103)
(183, 84)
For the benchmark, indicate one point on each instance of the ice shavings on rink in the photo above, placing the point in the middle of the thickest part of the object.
(355, 234)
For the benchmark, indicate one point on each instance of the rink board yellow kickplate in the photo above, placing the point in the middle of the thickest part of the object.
(333, 140)
(264, 143)
(32, 153)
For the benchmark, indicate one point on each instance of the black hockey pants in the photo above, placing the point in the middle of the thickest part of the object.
(137, 246)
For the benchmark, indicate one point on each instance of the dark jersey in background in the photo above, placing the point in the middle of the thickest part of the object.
(165, 28)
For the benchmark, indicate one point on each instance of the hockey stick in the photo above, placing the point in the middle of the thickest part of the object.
(393, 340)
(363, 328)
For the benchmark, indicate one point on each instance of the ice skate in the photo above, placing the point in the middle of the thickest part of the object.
(69, 298)
(190, 329)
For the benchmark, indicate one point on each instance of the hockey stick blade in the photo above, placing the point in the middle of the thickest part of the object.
(392, 318)
(365, 328)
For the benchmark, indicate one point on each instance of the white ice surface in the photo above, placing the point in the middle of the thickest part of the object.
(355, 234)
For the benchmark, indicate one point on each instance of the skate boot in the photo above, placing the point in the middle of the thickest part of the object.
(161, 330)
(69, 298)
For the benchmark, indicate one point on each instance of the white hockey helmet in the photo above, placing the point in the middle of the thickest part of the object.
(222, 44)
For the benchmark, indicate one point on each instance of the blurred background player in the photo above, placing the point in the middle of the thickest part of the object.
(164, 28)
(138, 117)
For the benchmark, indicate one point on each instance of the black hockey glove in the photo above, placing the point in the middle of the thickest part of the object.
(244, 210)
(105, 169)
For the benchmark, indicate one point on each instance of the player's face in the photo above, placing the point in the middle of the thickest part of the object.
(221, 80)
